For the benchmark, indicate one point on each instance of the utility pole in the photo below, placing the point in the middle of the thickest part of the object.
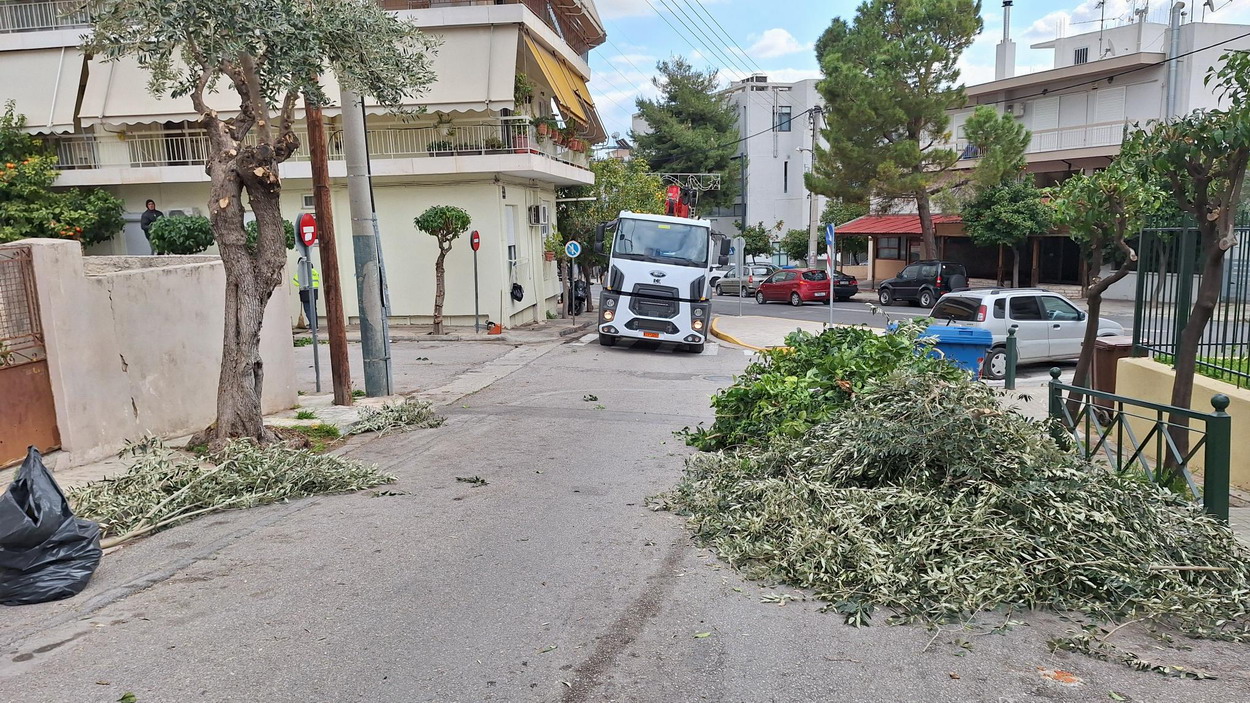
(813, 215)
(365, 248)
(336, 326)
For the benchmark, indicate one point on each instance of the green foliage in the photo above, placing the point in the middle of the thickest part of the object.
(794, 243)
(289, 45)
(784, 392)
(443, 222)
(305, 415)
(410, 414)
(619, 185)
(28, 205)
(839, 212)
(693, 128)
(253, 231)
(1000, 141)
(1103, 209)
(890, 78)
(522, 89)
(920, 493)
(758, 241)
(188, 234)
(1007, 214)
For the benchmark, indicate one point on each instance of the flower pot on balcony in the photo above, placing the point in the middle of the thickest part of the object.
(543, 128)
(521, 144)
(549, 255)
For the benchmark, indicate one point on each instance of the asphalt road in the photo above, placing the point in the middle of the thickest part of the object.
(552, 582)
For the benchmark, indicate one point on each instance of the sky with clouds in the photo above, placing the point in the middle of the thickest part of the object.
(775, 37)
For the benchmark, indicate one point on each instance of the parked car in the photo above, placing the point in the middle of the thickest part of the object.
(732, 282)
(923, 282)
(796, 286)
(1049, 326)
(718, 273)
(845, 286)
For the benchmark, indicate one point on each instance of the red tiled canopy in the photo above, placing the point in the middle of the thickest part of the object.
(892, 224)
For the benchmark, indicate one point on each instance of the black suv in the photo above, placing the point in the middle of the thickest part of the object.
(923, 282)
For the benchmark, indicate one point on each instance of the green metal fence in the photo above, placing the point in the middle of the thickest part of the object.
(1131, 434)
(1169, 271)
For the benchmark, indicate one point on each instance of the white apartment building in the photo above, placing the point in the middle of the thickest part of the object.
(475, 147)
(776, 161)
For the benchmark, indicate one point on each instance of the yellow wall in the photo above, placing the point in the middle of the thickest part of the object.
(887, 268)
(1149, 380)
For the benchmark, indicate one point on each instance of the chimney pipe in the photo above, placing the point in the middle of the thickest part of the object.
(1173, 52)
(1005, 54)
(1007, 19)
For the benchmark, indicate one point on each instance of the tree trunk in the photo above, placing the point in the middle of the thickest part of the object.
(1015, 266)
(439, 289)
(590, 306)
(928, 234)
(998, 281)
(1185, 361)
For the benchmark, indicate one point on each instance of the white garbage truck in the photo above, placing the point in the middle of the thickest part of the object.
(656, 285)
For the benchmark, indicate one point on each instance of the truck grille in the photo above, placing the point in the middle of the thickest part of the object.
(654, 301)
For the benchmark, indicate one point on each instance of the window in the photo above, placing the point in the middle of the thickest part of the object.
(309, 202)
(661, 242)
(761, 271)
(888, 248)
(1080, 56)
(815, 276)
(785, 176)
(1059, 310)
(1025, 308)
(909, 273)
(1000, 309)
(928, 271)
(781, 119)
(957, 309)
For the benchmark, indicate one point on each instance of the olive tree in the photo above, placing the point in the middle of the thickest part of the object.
(269, 53)
(445, 223)
(1104, 211)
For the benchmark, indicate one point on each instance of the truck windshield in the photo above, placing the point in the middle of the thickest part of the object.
(661, 242)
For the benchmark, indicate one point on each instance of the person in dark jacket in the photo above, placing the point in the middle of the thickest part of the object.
(150, 215)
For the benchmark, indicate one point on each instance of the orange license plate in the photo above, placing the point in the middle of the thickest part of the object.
(652, 335)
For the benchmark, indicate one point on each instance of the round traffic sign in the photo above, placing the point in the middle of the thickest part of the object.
(306, 228)
(475, 240)
(573, 249)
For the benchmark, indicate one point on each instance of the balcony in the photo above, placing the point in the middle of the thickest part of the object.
(507, 136)
(40, 16)
(567, 18)
(1109, 134)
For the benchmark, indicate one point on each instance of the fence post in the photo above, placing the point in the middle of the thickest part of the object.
(1012, 355)
(1149, 238)
(1184, 286)
(1216, 471)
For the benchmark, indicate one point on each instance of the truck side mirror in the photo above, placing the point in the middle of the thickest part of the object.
(599, 234)
(723, 259)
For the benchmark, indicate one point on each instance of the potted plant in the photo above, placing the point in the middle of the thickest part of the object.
(441, 147)
(493, 144)
(566, 135)
(544, 125)
(522, 91)
(551, 246)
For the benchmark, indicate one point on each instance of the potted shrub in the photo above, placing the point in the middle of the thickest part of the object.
(544, 125)
(522, 91)
(493, 144)
(441, 147)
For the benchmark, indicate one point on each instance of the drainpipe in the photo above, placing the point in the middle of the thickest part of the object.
(1174, 26)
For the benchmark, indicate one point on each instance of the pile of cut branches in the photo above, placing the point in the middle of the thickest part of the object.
(922, 494)
(163, 487)
(410, 414)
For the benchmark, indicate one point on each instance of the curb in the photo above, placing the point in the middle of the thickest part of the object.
(730, 338)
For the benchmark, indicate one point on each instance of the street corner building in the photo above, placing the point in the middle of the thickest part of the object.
(508, 120)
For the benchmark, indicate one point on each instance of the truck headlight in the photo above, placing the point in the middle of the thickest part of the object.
(698, 312)
(698, 324)
(609, 302)
(608, 315)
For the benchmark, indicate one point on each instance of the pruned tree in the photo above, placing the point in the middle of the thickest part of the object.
(269, 53)
(758, 240)
(1203, 158)
(998, 141)
(890, 78)
(444, 223)
(1104, 211)
(1007, 214)
(693, 128)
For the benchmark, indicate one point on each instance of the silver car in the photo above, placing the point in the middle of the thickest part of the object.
(1049, 326)
(731, 283)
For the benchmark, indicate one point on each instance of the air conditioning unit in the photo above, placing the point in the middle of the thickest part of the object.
(1016, 109)
(538, 215)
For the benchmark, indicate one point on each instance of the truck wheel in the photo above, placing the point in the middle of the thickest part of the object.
(795, 300)
(926, 298)
(886, 296)
(606, 340)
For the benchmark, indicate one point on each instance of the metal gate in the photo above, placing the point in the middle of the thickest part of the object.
(27, 411)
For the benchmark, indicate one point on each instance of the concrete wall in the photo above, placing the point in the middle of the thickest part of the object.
(1149, 380)
(134, 345)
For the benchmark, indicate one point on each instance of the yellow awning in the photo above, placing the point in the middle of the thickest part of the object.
(558, 76)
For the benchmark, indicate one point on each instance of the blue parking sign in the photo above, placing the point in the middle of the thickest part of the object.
(829, 235)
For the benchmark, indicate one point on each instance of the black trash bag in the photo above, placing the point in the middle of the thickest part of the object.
(45, 552)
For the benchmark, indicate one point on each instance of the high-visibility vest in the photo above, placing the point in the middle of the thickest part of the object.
(316, 279)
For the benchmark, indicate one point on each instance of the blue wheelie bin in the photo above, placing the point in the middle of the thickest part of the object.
(965, 347)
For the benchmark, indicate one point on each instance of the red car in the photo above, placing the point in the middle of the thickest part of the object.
(797, 286)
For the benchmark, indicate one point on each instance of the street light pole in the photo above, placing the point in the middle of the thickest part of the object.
(813, 212)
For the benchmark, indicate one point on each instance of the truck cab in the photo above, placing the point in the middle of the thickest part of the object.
(657, 285)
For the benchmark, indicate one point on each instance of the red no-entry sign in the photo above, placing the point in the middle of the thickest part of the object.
(475, 240)
(306, 229)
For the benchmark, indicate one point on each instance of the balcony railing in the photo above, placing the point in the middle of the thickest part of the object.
(1085, 136)
(190, 148)
(39, 16)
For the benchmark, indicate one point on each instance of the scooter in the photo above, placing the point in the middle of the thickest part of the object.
(581, 293)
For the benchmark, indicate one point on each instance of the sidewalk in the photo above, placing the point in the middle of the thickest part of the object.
(754, 332)
(533, 333)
